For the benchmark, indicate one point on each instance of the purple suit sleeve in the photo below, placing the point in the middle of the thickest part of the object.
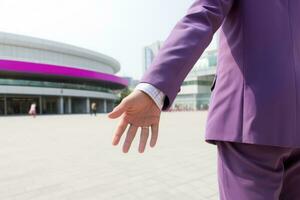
(184, 45)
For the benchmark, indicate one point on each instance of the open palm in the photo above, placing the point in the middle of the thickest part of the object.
(137, 110)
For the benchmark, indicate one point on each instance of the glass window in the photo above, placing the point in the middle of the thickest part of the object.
(17, 82)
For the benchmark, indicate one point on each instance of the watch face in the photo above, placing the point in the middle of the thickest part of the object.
(213, 83)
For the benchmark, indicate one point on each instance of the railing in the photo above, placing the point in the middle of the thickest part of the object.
(13, 82)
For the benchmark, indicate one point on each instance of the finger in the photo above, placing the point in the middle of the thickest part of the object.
(117, 111)
(154, 134)
(143, 139)
(119, 132)
(129, 138)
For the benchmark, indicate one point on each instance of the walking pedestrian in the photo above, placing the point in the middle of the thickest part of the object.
(94, 108)
(32, 110)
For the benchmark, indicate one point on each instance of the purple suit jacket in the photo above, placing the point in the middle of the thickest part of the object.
(256, 96)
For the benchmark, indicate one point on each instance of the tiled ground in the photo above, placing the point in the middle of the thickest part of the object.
(71, 157)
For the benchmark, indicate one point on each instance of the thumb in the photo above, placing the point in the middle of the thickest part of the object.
(117, 111)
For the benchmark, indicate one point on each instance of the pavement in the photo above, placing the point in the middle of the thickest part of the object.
(70, 157)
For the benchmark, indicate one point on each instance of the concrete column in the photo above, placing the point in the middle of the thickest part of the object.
(69, 105)
(61, 105)
(5, 105)
(105, 105)
(41, 104)
(88, 107)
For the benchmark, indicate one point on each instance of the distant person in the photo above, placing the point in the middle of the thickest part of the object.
(32, 110)
(254, 113)
(94, 108)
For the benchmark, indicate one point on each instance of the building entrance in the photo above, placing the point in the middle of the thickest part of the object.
(50, 105)
(21, 104)
(2, 106)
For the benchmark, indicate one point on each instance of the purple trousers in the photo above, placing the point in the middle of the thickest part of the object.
(258, 172)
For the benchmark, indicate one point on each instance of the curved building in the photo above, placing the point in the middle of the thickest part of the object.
(59, 78)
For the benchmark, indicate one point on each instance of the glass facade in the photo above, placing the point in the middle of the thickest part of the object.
(20, 104)
(212, 60)
(57, 77)
(2, 106)
(195, 91)
(192, 102)
(18, 82)
(196, 82)
(15, 104)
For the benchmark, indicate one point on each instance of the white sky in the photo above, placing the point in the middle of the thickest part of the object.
(118, 28)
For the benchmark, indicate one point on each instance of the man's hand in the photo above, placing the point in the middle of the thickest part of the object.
(139, 111)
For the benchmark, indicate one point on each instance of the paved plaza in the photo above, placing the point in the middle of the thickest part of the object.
(70, 157)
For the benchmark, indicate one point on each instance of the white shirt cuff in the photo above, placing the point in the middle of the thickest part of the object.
(156, 94)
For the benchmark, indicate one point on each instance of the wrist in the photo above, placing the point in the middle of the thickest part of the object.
(154, 93)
